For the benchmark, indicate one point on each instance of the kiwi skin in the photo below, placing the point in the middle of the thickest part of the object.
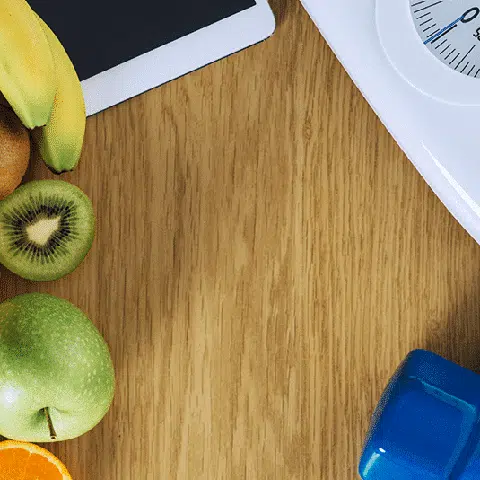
(58, 266)
(15, 149)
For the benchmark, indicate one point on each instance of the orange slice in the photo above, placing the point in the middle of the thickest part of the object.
(26, 461)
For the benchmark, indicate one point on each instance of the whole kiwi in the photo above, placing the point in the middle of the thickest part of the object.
(15, 147)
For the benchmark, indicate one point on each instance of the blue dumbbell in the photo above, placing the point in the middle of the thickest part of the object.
(426, 425)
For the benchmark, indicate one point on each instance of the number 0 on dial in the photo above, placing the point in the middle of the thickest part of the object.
(451, 31)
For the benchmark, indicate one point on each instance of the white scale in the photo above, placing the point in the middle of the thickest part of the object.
(417, 63)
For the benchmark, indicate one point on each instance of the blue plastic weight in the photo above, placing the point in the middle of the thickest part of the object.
(426, 424)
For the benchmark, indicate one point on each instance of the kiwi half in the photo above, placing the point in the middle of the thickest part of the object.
(46, 229)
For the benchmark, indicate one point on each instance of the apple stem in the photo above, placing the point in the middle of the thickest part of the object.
(53, 433)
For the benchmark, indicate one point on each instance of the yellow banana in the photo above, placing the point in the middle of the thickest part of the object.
(27, 74)
(60, 141)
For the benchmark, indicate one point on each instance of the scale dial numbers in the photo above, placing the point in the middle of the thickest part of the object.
(451, 31)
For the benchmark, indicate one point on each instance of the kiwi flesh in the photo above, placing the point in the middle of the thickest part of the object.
(47, 228)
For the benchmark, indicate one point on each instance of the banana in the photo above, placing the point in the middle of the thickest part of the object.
(27, 74)
(60, 141)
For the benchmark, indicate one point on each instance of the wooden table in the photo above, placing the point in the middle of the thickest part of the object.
(265, 257)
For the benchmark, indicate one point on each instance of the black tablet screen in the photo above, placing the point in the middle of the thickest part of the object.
(100, 34)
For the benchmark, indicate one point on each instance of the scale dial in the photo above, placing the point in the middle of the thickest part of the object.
(450, 29)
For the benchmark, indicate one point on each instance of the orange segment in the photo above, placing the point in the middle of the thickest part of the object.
(26, 461)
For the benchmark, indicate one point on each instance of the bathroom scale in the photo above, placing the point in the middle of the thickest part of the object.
(417, 63)
(122, 48)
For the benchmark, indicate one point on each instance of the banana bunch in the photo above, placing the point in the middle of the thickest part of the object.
(39, 81)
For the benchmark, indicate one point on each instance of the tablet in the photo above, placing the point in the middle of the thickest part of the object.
(122, 48)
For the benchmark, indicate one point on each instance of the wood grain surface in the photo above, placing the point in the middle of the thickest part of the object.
(265, 257)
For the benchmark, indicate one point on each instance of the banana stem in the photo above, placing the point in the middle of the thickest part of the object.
(53, 433)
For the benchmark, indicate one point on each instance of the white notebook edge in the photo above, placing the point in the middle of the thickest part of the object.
(185, 55)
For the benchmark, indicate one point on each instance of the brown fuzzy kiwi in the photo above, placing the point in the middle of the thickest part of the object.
(15, 148)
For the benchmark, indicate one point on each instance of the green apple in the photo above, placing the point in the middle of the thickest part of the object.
(56, 374)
